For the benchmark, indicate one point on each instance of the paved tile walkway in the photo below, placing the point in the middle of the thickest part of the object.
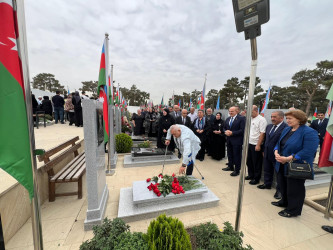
(263, 228)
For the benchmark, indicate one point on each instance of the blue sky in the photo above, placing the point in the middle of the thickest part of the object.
(163, 46)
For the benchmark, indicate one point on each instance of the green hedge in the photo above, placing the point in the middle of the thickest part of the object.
(123, 143)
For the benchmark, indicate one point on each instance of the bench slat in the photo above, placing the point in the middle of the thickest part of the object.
(79, 173)
(58, 148)
(68, 167)
(74, 170)
(59, 158)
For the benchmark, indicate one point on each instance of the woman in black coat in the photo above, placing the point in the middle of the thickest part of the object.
(217, 139)
(46, 105)
(165, 122)
(138, 122)
(76, 100)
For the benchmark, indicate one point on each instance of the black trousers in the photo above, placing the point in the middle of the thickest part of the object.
(189, 169)
(202, 151)
(71, 117)
(269, 170)
(254, 162)
(234, 156)
(292, 192)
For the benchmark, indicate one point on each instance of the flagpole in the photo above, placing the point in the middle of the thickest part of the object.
(204, 94)
(23, 53)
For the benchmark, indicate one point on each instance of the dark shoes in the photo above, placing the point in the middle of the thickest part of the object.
(263, 186)
(277, 195)
(278, 204)
(328, 229)
(284, 213)
(228, 169)
(248, 178)
(234, 173)
(254, 182)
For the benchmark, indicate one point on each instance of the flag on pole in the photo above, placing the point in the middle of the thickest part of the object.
(314, 117)
(117, 96)
(218, 104)
(179, 103)
(110, 90)
(202, 99)
(264, 107)
(102, 93)
(329, 109)
(68, 91)
(15, 157)
(199, 101)
(191, 104)
(326, 153)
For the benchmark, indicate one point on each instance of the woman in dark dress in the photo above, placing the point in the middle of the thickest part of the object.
(217, 145)
(165, 122)
(46, 105)
(138, 122)
(150, 123)
(76, 100)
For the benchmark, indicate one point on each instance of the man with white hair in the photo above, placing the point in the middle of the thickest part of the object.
(188, 144)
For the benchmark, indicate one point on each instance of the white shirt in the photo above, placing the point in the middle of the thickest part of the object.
(258, 126)
(277, 126)
(188, 144)
(193, 116)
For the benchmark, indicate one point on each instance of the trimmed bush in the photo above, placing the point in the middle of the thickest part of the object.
(167, 233)
(209, 237)
(129, 241)
(123, 143)
(105, 235)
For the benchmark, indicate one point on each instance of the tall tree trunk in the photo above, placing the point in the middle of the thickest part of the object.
(307, 110)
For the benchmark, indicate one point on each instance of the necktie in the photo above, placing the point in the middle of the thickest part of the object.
(231, 121)
(273, 130)
(183, 120)
(319, 122)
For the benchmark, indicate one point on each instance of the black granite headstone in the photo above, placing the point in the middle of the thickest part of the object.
(143, 152)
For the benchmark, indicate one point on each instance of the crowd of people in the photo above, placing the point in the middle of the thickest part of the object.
(67, 108)
(270, 146)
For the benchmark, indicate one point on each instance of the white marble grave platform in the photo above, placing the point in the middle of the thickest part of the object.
(138, 203)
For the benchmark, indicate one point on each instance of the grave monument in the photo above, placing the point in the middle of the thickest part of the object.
(97, 189)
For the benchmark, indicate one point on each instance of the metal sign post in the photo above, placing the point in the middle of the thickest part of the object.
(249, 15)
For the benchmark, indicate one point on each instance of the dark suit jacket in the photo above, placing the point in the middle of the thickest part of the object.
(302, 144)
(271, 140)
(321, 129)
(188, 123)
(173, 114)
(206, 128)
(211, 119)
(237, 128)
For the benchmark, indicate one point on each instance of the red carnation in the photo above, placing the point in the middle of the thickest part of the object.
(173, 175)
(159, 194)
(149, 179)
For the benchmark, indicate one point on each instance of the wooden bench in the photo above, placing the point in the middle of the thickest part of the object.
(72, 172)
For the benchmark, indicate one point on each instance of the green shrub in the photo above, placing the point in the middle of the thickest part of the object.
(167, 233)
(105, 235)
(129, 241)
(123, 143)
(209, 237)
(48, 117)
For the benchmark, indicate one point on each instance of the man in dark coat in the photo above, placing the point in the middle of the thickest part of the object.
(273, 132)
(210, 118)
(234, 130)
(320, 125)
(58, 105)
(184, 119)
(201, 128)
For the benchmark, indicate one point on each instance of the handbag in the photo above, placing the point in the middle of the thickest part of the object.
(299, 171)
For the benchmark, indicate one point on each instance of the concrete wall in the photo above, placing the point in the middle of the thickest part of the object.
(15, 208)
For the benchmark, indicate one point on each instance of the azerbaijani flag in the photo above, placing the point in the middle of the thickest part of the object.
(314, 117)
(117, 96)
(15, 156)
(179, 103)
(111, 97)
(191, 104)
(326, 154)
(264, 107)
(198, 105)
(329, 109)
(202, 99)
(102, 94)
(218, 104)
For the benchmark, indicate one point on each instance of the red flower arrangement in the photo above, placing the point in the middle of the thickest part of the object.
(165, 184)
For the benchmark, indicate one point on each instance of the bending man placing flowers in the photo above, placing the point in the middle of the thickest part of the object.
(187, 143)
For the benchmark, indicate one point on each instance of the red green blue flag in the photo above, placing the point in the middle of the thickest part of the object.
(15, 156)
(102, 94)
(268, 94)
(202, 99)
(314, 117)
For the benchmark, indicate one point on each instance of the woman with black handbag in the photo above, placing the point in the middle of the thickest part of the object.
(297, 144)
